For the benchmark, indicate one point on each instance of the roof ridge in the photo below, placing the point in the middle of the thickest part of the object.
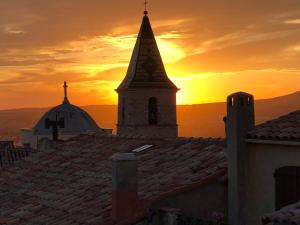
(285, 128)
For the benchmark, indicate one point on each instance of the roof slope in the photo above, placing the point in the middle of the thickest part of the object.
(12, 155)
(72, 184)
(286, 127)
(287, 215)
(146, 68)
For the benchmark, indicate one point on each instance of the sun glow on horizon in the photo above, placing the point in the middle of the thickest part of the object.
(206, 56)
(110, 73)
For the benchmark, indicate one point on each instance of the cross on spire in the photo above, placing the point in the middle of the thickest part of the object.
(66, 101)
(146, 3)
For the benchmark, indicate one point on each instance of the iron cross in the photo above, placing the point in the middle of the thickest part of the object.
(146, 2)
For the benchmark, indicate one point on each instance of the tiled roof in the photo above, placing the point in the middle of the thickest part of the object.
(71, 184)
(286, 128)
(287, 215)
(11, 156)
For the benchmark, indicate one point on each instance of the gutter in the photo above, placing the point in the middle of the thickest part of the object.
(273, 142)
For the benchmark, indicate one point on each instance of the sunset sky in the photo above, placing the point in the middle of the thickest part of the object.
(210, 48)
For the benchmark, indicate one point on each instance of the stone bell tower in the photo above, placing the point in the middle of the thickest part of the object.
(146, 96)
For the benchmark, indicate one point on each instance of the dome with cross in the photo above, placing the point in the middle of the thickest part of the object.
(66, 119)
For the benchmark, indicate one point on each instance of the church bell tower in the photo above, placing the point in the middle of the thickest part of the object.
(146, 96)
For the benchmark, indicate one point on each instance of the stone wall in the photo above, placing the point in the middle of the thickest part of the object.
(28, 138)
(263, 160)
(205, 202)
(133, 113)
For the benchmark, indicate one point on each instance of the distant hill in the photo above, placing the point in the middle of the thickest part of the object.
(207, 119)
(194, 120)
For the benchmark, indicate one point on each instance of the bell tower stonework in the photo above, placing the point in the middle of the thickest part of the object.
(146, 96)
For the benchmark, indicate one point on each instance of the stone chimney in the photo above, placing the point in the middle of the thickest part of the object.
(169, 216)
(240, 120)
(125, 203)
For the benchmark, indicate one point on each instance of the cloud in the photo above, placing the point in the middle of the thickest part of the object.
(296, 21)
(90, 43)
(244, 52)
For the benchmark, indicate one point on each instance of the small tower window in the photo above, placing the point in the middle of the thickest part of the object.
(152, 111)
(123, 111)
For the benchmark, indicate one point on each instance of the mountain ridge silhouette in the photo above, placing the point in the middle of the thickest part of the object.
(199, 120)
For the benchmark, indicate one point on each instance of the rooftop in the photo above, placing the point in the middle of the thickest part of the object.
(284, 128)
(71, 184)
(9, 154)
(287, 215)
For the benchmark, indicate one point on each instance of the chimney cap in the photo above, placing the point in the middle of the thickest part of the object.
(124, 157)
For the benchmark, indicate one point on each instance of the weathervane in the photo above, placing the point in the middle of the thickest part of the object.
(145, 3)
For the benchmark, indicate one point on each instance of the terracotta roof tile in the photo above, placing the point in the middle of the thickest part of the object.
(72, 183)
(287, 215)
(285, 128)
(9, 156)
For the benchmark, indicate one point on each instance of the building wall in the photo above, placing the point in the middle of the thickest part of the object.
(263, 160)
(133, 113)
(31, 139)
(204, 202)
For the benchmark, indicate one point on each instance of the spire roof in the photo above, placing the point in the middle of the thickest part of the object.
(146, 68)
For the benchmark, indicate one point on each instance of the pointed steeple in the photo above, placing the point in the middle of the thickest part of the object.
(146, 96)
(146, 68)
(66, 100)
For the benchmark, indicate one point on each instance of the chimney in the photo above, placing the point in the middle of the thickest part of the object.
(240, 120)
(169, 216)
(125, 186)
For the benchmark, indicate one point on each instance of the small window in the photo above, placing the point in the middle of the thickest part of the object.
(123, 111)
(152, 111)
(287, 186)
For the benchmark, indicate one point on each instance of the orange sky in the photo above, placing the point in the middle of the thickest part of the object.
(210, 48)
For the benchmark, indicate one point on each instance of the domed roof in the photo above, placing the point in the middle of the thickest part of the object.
(71, 120)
